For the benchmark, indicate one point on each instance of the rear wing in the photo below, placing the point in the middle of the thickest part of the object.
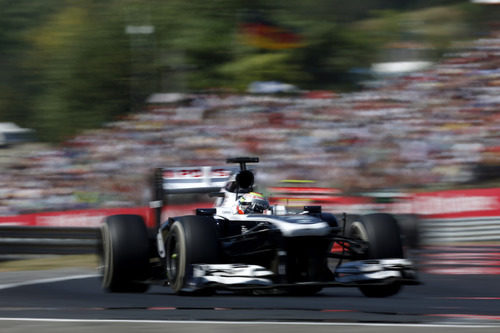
(191, 179)
(186, 180)
(199, 179)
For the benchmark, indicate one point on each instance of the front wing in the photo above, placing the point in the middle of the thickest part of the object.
(350, 274)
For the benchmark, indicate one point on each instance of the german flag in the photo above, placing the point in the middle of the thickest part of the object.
(264, 34)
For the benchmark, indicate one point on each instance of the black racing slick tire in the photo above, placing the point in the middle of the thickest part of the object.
(124, 254)
(190, 240)
(381, 232)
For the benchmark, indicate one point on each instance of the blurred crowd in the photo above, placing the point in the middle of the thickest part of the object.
(423, 129)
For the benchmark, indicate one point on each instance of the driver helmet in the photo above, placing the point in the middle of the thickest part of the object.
(252, 202)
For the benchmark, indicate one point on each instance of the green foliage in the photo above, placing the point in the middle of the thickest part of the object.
(83, 56)
(16, 19)
(69, 65)
(261, 67)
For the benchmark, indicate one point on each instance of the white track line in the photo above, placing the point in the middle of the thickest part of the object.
(48, 280)
(243, 323)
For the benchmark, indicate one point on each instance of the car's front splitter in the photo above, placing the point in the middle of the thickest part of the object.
(350, 274)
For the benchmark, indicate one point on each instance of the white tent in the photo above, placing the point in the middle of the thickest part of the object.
(488, 2)
(11, 133)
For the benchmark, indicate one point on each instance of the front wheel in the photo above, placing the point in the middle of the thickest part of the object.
(190, 240)
(381, 232)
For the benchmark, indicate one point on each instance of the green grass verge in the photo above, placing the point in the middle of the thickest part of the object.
(50, 262)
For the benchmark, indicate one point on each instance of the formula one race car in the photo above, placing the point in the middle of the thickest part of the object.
(246, 245)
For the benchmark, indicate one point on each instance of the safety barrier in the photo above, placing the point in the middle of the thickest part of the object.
(434, 218)
(66, 232)
(16, 240)
(460, 230)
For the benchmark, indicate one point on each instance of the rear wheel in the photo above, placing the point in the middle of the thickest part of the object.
(382, 234)
(124, 254)
(190, 240)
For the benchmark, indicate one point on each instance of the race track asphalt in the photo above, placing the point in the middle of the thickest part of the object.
(443, 303)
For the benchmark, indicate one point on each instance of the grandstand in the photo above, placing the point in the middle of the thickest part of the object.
(430, 128)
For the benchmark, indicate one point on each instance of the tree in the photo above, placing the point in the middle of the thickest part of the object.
(70, 65)
(83, 56)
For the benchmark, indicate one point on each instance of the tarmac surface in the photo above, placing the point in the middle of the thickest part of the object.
(70, 299)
